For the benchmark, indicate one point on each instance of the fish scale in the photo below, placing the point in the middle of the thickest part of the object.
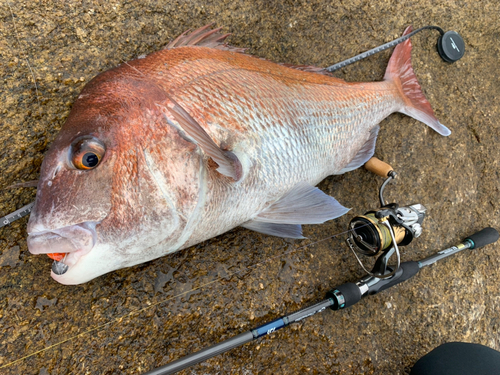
(306, 141)
(307, 117)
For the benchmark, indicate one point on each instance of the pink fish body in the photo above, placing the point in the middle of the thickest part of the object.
(169, 150)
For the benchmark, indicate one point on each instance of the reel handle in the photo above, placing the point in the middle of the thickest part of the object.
(484, 237)
(379, 167)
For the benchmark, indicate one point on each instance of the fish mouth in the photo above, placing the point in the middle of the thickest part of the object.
(64, 245)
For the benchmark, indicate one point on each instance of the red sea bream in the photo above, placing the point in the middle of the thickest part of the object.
(171, 149)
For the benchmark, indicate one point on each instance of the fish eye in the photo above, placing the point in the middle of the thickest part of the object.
(87, 153)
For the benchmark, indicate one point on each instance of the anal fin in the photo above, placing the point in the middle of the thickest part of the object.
(303, 204)
(273, 229)
(364, 154)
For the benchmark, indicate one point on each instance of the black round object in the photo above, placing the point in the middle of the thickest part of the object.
(90, 160)
(451, 46)
(59, 268)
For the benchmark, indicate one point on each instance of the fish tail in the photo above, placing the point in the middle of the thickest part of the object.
(401, 73)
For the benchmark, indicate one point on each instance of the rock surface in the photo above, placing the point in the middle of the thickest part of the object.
(136, 319)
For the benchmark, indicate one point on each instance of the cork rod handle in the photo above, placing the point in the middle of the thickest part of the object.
(378, 167)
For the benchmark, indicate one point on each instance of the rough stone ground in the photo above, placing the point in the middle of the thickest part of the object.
(46, 328)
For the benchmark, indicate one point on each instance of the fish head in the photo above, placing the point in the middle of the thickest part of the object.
(118, 185)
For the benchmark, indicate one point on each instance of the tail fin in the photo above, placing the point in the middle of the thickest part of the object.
(401, 73)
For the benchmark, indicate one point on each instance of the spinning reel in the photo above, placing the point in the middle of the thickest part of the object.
(380, 232)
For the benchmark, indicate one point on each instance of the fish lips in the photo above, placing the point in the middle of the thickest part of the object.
(75, 241)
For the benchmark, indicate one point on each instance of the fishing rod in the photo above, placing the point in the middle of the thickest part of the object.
(22, 212)
(376, 233)
(339, 298)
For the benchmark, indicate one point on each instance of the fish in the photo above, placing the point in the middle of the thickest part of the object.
(171, 149)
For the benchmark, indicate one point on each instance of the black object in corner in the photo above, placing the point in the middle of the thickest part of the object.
(458, 358)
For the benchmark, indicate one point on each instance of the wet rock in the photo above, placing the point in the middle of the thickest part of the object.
(10, 257)
(162, 279)
(50, 50)
(42, 303)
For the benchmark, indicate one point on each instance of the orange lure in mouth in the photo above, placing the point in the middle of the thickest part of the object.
(57, 256)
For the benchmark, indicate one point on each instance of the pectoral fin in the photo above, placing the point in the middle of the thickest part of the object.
(364, 154)
(229, 164)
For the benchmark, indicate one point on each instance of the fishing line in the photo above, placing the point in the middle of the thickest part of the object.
(140, 310)
(26, 58)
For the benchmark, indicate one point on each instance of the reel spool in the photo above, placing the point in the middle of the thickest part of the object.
(371, 237)
(380, 232)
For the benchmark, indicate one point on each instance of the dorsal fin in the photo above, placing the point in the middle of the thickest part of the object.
(204, 37)
(310, 69)
(229, 164)
(207, 37)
